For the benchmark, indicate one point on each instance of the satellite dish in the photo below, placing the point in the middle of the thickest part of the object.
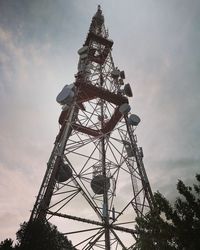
(66, 95)
(64, 173)
(70, 86)
(127, 90)
(134, 120)
(98, 183)
(83, 50)
(124, 108)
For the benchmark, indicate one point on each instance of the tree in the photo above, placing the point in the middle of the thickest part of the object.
(6, 244)
(172, 227)
(37, 235)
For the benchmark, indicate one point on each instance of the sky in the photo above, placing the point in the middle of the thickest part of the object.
(155, 42)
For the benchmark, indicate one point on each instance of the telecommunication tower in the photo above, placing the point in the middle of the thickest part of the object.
(95, 184)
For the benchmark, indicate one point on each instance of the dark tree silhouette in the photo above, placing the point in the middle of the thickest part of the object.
(6, 244)
(37, 235)
(173, 227)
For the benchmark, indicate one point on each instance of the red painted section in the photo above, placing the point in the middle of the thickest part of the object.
(63, 117)
(64, 114)
(99, 39)
(60, 132)
(86, 130)
(107, 128)
(88, 92)
(110, 125)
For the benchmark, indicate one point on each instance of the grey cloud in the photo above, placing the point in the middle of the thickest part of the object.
(156, 43)
(36, 19)
(167, 173)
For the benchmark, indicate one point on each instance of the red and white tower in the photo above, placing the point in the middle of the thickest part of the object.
(95, 175)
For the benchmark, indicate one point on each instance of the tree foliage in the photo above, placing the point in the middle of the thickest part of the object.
(172, 227)
(38, 235)
(6, 244)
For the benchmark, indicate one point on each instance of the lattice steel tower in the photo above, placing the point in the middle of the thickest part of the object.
(95, 183)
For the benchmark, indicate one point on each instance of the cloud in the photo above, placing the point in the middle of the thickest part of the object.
(167, 172)
(16, 198)
(157, 44)
(24, 138)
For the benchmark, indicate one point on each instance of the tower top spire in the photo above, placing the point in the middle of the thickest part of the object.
(99, 14)
(97, 21)
(99, 7)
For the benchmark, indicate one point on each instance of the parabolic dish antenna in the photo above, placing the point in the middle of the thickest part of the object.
(66, 95)
(83, 50)
(134, 120)
(124, 108)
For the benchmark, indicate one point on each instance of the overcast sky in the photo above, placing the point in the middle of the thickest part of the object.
(155, 42)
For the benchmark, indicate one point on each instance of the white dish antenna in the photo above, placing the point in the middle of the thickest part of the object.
(66, 95)
(124, 108)
(134, 120)
(83, 50)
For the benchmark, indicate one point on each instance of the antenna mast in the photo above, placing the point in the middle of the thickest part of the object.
(95, 182)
